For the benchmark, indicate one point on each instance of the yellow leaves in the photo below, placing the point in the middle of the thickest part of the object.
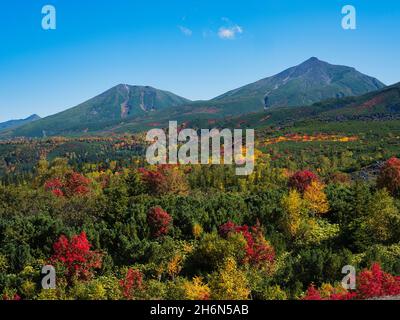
(97, 292)
(48, 295)
(292, 206)
(295, 221)
(196, 289)
(28, 289)
(315, 198)
(309, 138)
(229, 283)
(187, 248)
(175, 266)
(197, 230)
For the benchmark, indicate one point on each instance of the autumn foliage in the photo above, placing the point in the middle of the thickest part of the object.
(131, 284)
(73, 184)
(301, 180)
(377, 283)
(196, 289)
(76, 256)
(373, 283)
(315, 198)
(55, 186)
(159, 222)
(389, 176)
(165, 179)
(16, 297)
(258, 251)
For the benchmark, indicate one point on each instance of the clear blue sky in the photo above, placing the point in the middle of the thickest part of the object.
(195, 48)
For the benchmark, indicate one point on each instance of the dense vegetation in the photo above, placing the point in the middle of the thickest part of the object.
(115, 228)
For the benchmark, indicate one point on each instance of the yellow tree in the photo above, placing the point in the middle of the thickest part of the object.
(197, 230)
(315, 198)
(174, 267)
(196, 289)
(229, 282)
(292, 206)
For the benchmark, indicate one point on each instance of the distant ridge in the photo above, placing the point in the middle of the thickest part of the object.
(12, 124)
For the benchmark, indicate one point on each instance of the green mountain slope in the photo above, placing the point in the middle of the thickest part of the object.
(305, 84)
(380, 105)
(116, 105)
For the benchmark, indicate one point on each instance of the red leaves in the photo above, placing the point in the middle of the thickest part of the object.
(371, 283)
(155, 180)
(77, 184)
(159, 222)
(258, 250)
(76, 256)
(312, 293)
(73, 184)
(55, 186)
(377, 283)
(301, 180)
(389, 176)
(133, 282)
(165, 179)
(16, 297)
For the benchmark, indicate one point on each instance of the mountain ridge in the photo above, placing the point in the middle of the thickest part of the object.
(14, 123)
(132, 107)
(309, 82)
(117, 104)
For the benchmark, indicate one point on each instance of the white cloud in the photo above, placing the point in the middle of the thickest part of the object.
(186, 31)
(230, 33)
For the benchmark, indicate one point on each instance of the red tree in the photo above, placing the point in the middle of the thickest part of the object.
(258, 250)
(165, 179)
(132, 282)
(159, 222)
(155, 180)
(71, 185)
(76, 184)
(55, 186)
(76, 256)
(301, 180)
(389, 176)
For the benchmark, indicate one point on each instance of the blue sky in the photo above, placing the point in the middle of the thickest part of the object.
(195, 48)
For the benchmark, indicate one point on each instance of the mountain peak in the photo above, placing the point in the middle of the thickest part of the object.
(312, 60)
(33, 117)
(309, 82)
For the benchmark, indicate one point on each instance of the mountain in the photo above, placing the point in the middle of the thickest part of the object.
(312, 81)
(126, 108)
(383, 104)
(117, 105)
(17, 123)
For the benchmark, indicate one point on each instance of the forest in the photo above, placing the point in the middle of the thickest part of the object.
(115, 228)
